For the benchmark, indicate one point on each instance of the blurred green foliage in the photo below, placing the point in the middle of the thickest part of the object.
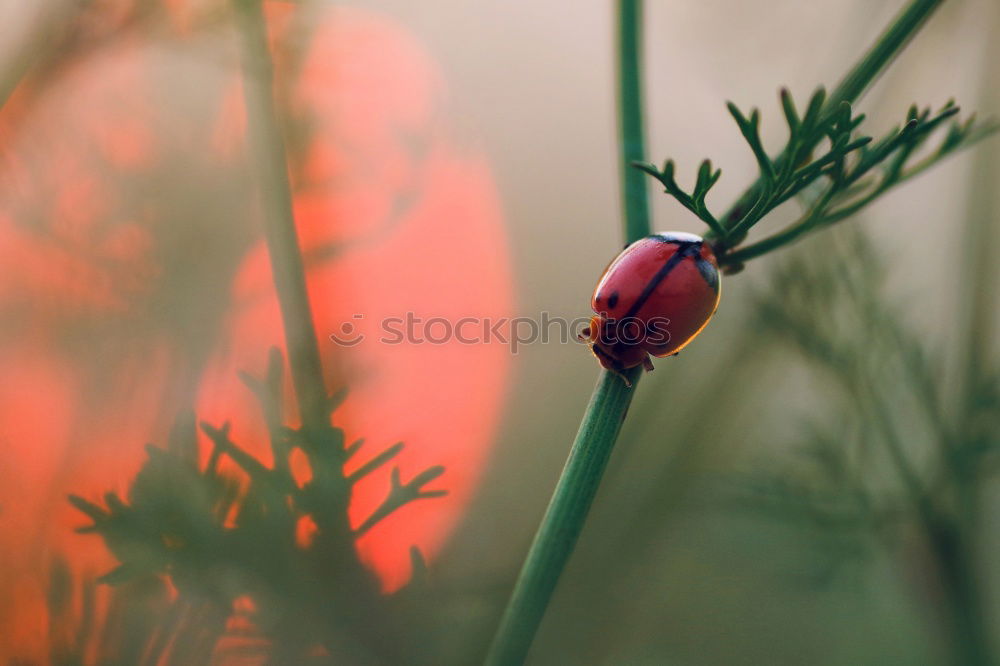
(216, 541)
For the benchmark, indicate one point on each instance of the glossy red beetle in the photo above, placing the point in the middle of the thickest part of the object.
(653, 299)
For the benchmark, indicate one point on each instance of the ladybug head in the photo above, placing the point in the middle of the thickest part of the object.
(592, 332)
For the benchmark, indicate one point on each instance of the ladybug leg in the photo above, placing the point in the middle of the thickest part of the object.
(620, 371)
(647, 363)
(607, 359)
(611, 363)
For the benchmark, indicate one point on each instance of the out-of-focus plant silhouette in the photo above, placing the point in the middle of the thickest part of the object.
(271, 543)
(897, 459)
(375, 173)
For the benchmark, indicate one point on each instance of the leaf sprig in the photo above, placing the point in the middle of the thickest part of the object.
(851, 173)
(218, 539)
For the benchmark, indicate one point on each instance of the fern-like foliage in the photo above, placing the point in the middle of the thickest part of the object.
(897, 452)
(832, 184)
(219, 540)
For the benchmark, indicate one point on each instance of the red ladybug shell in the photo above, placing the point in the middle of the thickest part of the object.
(654, 298)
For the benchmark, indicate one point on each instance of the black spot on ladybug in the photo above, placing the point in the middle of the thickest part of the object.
(613, 300)
(708, 272)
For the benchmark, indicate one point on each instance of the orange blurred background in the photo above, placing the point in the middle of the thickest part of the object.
(136, 285)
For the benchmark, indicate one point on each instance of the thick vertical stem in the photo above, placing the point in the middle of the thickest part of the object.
(268, 152)
(563, 521)
(961, 611)
(351, 586)
(567, 511)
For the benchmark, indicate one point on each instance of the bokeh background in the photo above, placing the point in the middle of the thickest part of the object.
(680, 563)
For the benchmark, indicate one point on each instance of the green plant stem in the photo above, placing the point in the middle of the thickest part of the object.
(854, 84)
(969, 631)
(567, 511)
(268, 153)
(747, 252)
(881, 54)
(314, 404)
(631, 133)
(348, 602)
(564, 518)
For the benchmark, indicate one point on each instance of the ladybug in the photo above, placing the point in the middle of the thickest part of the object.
(653, 299)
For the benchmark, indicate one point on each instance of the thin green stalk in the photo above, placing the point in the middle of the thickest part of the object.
(588, 458)
(631, 133)
(268, 151)
(269, 159)
(881, 54)
(564, 519)
(349, 586)
(807, 223)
